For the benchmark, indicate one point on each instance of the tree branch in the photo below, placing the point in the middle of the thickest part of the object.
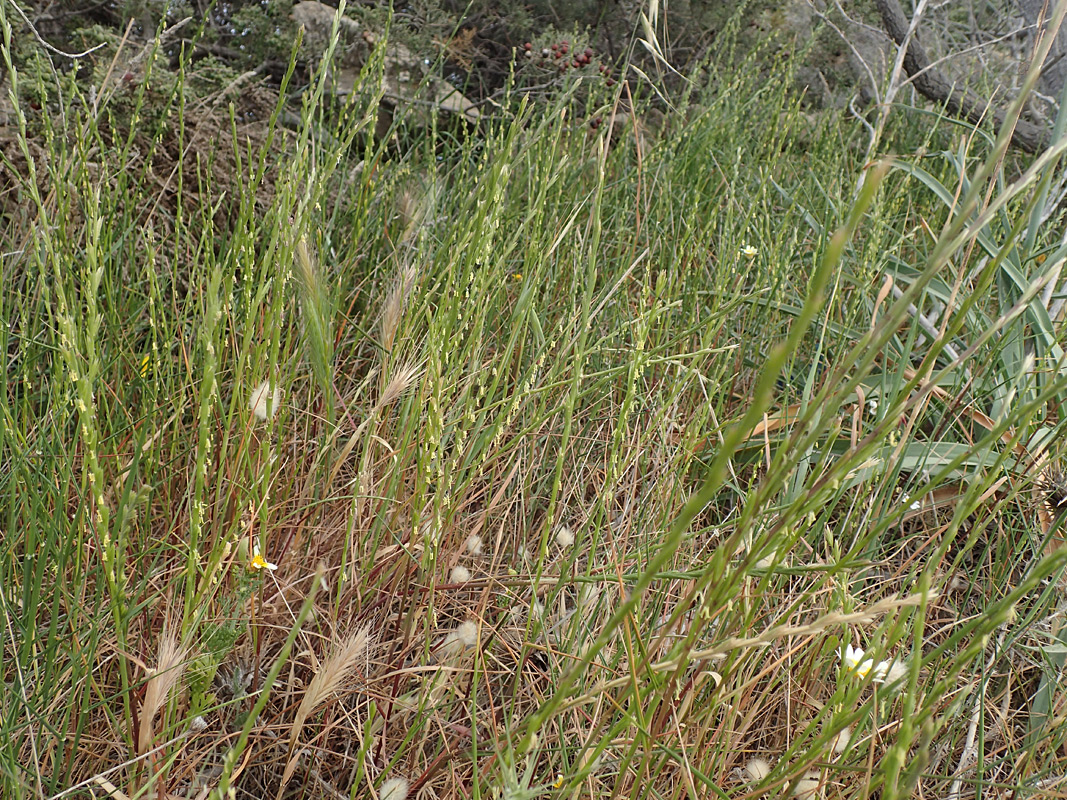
(935, 86)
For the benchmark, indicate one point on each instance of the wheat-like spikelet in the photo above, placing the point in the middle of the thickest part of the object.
(167, 675)
(392, 311)
(333, 672)
(403, 378)
(393, 307)
(306, 266)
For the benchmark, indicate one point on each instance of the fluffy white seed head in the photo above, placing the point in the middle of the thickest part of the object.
(458, 639)
(841, 741)
(807, 786)
(757, 769)
(394, 789)
(897, 672)
(564, 537)
(475, 546)
(264, 400)
(459, 574)
(467, 633)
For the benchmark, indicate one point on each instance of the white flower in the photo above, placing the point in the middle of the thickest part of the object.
(748, 251)
(263, 402)
(259, 562)
(853, 659)
(872, 406)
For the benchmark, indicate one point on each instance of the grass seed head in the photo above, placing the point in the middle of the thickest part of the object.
(333, 672)
(403, 379)
(564, 537)
(165, 677)
(392, 311)
(394, 305)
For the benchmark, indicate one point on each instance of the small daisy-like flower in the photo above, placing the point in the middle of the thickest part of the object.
(748, 251)
(263, 402)
(259, 562)
(516, 276)
(854, 661)
(559, 781)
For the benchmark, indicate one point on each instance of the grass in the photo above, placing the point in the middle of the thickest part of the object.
(568, 494)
